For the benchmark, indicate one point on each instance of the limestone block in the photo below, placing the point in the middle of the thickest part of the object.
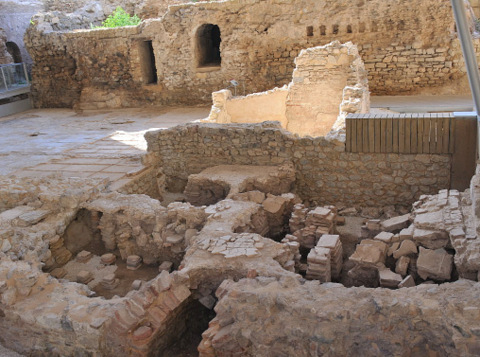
(58, 273)
(393, 248)
(175, 239)
(407, 247)
(274, 204)
(401, 266)
(31, 218)
(166, 265)
(430, 220)
(407, 233)
(396, 223)
(368, 255)
(434, 264)
(385, 237)
(163, 281)
(389, 279)
(430, 239)
(408, 282)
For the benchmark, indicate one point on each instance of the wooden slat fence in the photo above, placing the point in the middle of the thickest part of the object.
(431, 133)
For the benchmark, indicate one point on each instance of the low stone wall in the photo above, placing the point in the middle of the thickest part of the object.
(329, 320)
(325, 173)
(253, 108)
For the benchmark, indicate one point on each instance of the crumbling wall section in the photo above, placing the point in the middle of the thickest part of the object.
(322, 88)
(368, 322)
(334, 72)
(325, 173)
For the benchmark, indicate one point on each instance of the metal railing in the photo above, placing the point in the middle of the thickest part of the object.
(13, 76)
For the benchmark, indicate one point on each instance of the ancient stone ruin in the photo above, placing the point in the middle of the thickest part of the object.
(259, 230)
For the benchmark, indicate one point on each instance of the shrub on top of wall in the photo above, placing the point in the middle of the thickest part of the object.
(119, 18)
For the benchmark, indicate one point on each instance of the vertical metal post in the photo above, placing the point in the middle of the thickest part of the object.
(470, 58)
(26, 73)
(4, 79)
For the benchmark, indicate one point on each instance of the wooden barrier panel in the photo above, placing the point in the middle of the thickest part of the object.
(431, 133)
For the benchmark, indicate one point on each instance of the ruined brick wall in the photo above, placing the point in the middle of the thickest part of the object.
(325, 173)
(408, 47)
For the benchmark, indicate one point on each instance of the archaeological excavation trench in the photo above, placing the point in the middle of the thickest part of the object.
(124, 275)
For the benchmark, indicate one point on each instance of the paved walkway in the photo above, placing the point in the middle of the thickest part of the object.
(110, 144)
(424, 104)
(107, 144)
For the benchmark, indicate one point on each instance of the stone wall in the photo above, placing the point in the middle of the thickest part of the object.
(149, 182)
(269, 317)
(407, 47)
(325, 173)
(15, 18)
(328, 83)
(334, 72)
(252, 108)
(4, 55)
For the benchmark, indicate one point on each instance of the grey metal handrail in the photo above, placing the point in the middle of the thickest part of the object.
(13, 76)
(469, 56)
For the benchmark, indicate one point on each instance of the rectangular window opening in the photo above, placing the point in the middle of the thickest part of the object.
(309, 31)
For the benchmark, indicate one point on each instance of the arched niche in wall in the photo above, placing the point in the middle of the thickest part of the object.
(14, 51)
(207, 46)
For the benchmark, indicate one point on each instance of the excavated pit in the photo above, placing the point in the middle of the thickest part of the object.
(84, 258)
(196, 322)
(264, 237)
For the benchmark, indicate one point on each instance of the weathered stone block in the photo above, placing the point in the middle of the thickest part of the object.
(396, 223)
(434, 264)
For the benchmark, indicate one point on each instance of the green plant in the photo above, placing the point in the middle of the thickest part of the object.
(119, 18)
